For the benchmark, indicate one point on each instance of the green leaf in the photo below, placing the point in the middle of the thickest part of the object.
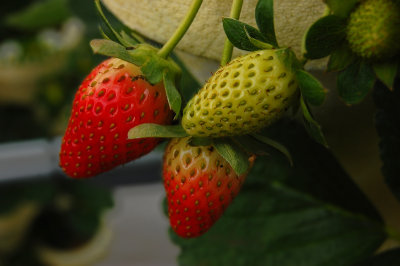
(341, 8)
(324, 36)
(236, 157)
(265, 20)
(156, 131)
(251, 145)
(112, 49)
(386, 72)
(355, 82)
(189, 85)
(341, 58)
(387, 258)
(197, 141)
(116, 35)
(311, 89)
(237, 33)
(311, 214)
(387, 123)
(276, 145)
(312, 126)
(39, 15)
(261, 45)
(173, 96)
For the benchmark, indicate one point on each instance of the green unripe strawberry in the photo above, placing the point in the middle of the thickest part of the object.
(248, 94)
(373, 30)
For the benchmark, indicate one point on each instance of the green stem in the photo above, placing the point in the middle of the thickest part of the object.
(181, 30)
(228, 47)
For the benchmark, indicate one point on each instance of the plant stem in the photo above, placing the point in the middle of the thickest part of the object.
(181, 30)
(228, 47)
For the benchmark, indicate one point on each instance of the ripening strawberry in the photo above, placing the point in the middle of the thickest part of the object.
(199, 184)
(114, 98)
(249, 93)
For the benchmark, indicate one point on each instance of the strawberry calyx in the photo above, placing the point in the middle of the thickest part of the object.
(153, 67)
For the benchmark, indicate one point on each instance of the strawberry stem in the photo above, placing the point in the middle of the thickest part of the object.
(228, 47)
(181, 30)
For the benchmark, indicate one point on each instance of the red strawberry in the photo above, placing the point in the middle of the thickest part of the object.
(114, 98)
(199, 184)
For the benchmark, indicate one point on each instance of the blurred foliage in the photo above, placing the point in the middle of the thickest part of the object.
(29, 27)
(70, 213)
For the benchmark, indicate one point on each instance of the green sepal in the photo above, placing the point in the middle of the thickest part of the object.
(237, 33)
(150, 130)
(289, 59)
(117, 36)
(312, 127)
(260, 44)
(310, 87)
(249, 144)
(386, 72)
(265, 20)
(341, 8)
(233, 154)
(274, 144)
(324, 36)
(112, 49)
(198, 141)
(355, 82)
(153, 67)
(341, 58)
(173, 95)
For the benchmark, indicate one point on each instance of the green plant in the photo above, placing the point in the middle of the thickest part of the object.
(297, 206)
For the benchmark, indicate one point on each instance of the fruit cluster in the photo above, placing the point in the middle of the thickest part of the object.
(128, 102)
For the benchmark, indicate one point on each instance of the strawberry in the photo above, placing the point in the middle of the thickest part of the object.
(199, 184)
(249, 93)
(114, 98)
(373, 29)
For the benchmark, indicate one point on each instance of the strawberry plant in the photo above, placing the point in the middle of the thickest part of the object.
(245, 183)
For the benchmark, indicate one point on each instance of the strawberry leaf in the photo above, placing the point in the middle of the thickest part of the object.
(324, 36)
(112, 49)
(386, 72)
(341, 8)
(311, 89)
(156, 131)
(312, 126)
(233, 154)
(173, 96)
(197, 141)
(251, 145)
(341, 58)
(309, 214)
(265, 20)
(261, 45)
(237, 33)
(105, 20)
(276, 145)
(355, 82)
